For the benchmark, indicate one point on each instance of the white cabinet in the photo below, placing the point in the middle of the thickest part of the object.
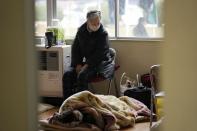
(52, 63)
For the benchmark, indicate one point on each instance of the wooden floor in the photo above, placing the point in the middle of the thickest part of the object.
(46, 114)
(138, 126)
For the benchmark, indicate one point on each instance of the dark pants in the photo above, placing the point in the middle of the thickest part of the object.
(73, 82)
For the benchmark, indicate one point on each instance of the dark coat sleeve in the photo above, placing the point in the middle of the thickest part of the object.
(102, 48)
(76, 57)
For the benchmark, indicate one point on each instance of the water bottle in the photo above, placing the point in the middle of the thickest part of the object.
(58, 31)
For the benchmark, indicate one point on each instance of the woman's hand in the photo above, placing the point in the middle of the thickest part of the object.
(84, 67)
(78, 68)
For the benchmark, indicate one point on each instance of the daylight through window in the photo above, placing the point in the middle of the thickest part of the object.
(122, 18)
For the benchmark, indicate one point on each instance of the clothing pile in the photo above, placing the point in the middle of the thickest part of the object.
(87, 111)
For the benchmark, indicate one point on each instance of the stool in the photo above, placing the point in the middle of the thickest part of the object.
(100, 78)
(157, 96)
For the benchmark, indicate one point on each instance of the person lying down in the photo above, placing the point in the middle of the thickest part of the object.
(88, 111)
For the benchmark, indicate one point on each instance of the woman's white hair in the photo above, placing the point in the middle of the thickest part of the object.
(93, 14)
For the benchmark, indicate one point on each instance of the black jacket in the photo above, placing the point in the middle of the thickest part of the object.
(94, 47)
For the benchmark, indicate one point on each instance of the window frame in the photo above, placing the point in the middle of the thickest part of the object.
(52, 14)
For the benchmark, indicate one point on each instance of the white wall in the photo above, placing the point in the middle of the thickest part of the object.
(133, 57)
(17, 68)
(137, 56)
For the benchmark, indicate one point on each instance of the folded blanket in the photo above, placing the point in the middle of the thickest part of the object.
(98, 112)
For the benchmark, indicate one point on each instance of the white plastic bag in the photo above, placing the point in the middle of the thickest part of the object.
(125, 83)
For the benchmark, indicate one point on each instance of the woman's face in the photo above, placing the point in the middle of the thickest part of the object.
(94, 24)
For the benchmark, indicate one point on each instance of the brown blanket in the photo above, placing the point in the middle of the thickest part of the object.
(86, 111)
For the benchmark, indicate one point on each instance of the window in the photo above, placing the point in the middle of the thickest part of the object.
(140, 18)
(122, 18)
(40, 17)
